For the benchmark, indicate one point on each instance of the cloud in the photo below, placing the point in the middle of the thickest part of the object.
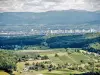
(95, 4)
(47, 5)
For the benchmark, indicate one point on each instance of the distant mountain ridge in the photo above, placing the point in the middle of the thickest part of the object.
(51, 17)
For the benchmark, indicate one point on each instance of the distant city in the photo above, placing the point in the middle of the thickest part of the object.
(49, 31)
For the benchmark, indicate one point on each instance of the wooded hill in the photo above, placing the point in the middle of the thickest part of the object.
(89, 41)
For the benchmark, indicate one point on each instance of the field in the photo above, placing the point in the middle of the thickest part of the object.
(62, 58)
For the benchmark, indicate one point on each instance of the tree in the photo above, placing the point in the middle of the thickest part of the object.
(42, 66)
(66, 49)
(82, 61)
(27, 64)
(7, 61)
(45, 57)
(50, 67)
(56, 55)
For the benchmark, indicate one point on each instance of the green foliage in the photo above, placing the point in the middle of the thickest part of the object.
(84, 41)
(7, 61)
(82, 61)
(95, 46)
(44, 57)
(27, 64)
(56, 55)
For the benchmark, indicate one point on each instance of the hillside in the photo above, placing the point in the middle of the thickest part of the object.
(50, 55)
(36, 62)
(52, 17)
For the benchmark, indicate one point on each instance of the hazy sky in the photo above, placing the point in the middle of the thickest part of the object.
(48, 5)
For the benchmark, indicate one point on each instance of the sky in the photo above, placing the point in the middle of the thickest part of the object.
(48, 5)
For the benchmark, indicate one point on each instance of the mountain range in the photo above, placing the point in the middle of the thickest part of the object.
(67, 17)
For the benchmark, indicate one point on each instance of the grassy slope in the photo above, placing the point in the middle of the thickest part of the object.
(72, 58)
(3, 73)
(62, 59)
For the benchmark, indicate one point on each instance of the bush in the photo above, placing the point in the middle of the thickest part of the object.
(56, 55)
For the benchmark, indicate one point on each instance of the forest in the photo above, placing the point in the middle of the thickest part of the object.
(90, 41)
